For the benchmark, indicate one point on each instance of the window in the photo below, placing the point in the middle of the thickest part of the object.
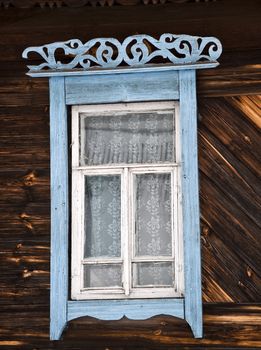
(126, 238)
(134, 166)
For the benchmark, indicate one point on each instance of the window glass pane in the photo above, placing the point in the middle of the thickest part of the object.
(153, 273)
(99, 276)
(102, 216)
(153, 224)
(127, 138)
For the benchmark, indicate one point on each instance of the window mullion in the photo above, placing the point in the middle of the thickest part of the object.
(125, 231)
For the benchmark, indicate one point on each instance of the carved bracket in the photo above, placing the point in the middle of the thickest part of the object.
(134, 51)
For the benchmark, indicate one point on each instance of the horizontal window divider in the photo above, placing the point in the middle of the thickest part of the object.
(135, 293)
(116, 289)
(152, 259)
(154, 286)
(154, 292)
(102, 261)
(131, 107)
(108, 167)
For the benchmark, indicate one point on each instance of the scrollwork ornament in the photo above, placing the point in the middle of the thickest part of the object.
(136, 50)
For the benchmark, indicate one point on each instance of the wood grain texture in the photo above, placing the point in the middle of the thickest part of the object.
(237, 326)
(190, 200)
(59, 208)
(229, 146)
(228, 156)
(27, 4)
(125, 87)
(135, 309)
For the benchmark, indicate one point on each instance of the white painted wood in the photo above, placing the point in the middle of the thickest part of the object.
(127, 172)
(178, 220)
(75, 137)
(78, 214)
(125, 233)
(76, 231)
(108, 108)
(148, 167)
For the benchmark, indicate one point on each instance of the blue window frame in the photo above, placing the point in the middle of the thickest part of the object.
(76, 83)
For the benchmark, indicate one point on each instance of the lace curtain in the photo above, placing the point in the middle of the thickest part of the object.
(127, 138)
(135, 138)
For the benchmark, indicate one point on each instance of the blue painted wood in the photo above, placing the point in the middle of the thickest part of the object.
(135, 309)
(122, 70)
(135, 50)
(190, 201)
(153, 86)
(59, 208)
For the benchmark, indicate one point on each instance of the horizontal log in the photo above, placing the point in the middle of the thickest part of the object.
(227, 22)
(238, 327)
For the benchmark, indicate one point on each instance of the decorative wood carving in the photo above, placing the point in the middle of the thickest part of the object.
(136, 50)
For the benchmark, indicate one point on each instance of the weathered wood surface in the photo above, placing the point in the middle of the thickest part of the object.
(190, 201)
(226, 326)
(81, 3)
(230, 231)
(229, 155)
(126, 87)
(226, 20)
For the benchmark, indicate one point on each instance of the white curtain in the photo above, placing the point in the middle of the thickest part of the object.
(128, 138)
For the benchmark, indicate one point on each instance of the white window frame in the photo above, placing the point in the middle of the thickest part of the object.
(127, 173)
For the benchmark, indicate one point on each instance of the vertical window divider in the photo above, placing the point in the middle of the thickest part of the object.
(131, 221)
(125, 230)
(179, 255)
(77, 208)
(82, 223)
(175, 235)
(75, 137)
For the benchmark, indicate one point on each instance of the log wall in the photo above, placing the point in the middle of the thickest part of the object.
(229, 158)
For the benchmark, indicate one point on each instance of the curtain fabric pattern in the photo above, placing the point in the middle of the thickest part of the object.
(142, 138)
(127, 138)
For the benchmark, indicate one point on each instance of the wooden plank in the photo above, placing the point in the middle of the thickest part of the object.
(226, 276)
(133, 309)
(243, 235)
(59, 208)
(125, 87)
(234, 77)
(215, 18)
(235, 130)
(237, 326)
(190, 203)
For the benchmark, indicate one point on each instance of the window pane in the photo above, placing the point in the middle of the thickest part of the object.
(99, 276)
(127, 138)
(153, 224)
(102, 216)
(153, 273)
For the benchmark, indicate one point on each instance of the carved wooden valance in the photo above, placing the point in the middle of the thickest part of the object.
(134, 51)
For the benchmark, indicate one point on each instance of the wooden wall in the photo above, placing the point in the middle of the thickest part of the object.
(229, 157)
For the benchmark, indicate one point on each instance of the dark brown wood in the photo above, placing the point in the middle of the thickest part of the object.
(238, 327)
(27, 4)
